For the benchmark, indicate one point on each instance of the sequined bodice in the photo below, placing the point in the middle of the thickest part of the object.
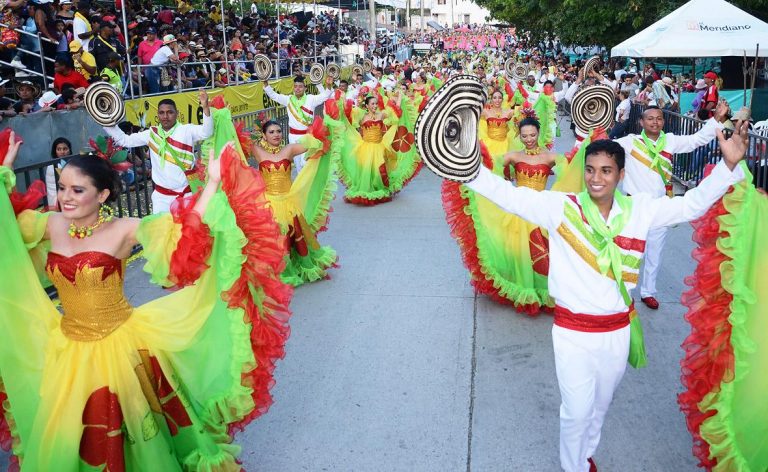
(532, 175)
(277, 176)
(90, 286)
(372, 131)
(498, 128)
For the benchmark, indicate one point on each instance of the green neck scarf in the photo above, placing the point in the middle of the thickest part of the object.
(164, 146)
(655, 152)
(297, 104)
(609, 255)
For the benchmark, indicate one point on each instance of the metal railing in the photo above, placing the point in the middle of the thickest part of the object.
(43, 58)
(688, 168)
(235, 71)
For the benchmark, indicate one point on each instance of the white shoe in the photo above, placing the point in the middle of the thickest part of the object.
(21, 73)
(18, 64)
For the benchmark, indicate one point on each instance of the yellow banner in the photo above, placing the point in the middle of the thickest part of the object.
(241, 99)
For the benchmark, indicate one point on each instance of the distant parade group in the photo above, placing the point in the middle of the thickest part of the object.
(237, 221)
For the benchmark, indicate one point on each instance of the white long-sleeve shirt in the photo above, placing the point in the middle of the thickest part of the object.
(166, 173)
(639, 178)
(573, 282)
(308, 109)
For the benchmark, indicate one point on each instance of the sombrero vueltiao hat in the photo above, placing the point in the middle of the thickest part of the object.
(446, 130)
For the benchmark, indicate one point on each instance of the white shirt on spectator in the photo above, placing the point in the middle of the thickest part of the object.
(162, 56)
(622, 110)
(79, 27)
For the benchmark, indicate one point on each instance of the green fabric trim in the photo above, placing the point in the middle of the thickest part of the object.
(736, 432)
(511, 290)
(575, 219)
(300, 270)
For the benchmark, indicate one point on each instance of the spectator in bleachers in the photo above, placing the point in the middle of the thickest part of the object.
(84, 62)
(82, 29)
(66, 74)
(165, 55)
(28, 92)
(149, 46)
(112, 72)
(104, 44)
(65, 13)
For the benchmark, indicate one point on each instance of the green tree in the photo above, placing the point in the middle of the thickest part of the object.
(587, 22)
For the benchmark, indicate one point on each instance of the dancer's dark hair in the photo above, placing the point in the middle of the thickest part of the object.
(609, 147)
(101, 173)
(269, 123)
(529, 122)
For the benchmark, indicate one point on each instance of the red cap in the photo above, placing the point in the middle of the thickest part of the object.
(710, 75)
(183, 55)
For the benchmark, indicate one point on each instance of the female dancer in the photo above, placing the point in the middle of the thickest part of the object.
(300, 207)
(156, 387)
(380, 159)
(507, 257)
(497, 130)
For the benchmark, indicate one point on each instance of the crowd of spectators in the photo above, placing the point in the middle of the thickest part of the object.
(167, 48)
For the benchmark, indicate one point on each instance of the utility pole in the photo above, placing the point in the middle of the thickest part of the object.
(372, 19)
(421, 5)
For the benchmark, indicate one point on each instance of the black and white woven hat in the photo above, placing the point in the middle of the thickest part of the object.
(593, 107)
(446, 130)
(104, 104)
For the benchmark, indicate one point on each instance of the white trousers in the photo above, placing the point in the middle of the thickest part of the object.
(300, 160)
(589, 368)
(162, 203)
(654, 244)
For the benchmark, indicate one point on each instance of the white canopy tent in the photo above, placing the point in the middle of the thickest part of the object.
(700, 28)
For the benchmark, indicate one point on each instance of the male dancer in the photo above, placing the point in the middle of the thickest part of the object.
(649, 170)
(301, 109)
(171, 150)
(596, 239)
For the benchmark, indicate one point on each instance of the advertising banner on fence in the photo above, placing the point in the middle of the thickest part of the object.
(242, 99)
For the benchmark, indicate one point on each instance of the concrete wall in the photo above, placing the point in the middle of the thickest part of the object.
(40, 129)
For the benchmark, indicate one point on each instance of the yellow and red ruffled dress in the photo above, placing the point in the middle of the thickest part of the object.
(508, 257)
(162, 386)
(498, 135)
(379, 160)
(301, 207)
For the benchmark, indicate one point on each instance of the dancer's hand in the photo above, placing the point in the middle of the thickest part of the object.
(203, 96)
(13, 150)
(734, 148)
(721, 110)
(214, 168)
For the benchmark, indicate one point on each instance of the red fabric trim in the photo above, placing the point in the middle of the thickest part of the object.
(179, 144)
(320, 132)
(463, 230)
(630, 244)
(591, 323)
(307, 111)
(172, 193)
(28, 200)
(244, 137)
(367, 202)
(264, 253)
(297, 131)
(5, 429)
(396, 108)
(71, 265)
(192, 171)
(189, 259)
(332, 109)
(709, 358)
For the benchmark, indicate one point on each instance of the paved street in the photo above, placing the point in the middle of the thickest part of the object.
(394, 364)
